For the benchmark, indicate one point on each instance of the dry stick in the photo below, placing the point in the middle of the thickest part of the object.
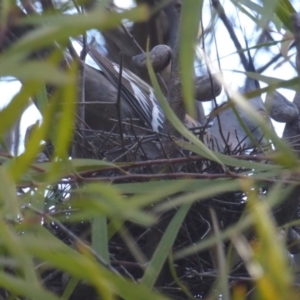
(219, 8)
(107, 137)
(76, 149)
(296, 25)
(119, 102)
(148, 177)
(214, 274)
(160, 79)
(47, 5)
(292, 128)
(95, 103)
(275, 58)
(140, 146)
(29, 8)
(50, 276)
(81, 110)
(78, 146)
(141, 127)
(126, 152)
(172, 161)
(248, 65)
(172, 12)
(214, 98)
(272, 61)
(174, 96)
(268, 64)
(147, 163)
(179, 175)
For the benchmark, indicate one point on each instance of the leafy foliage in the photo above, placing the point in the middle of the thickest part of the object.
(87, 228)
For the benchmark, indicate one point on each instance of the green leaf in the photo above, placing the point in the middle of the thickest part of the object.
(160, 186)
(36, 71)
(42, 98)
(73, 282)
(17, 166)
(104, 199)
(206, 152)
(8, 198)
(249, 4)
(159, 190)
(231, 161)
(47, 248)
(284, 155)
(60, 28)
(99, 237)
(279, 276)
(64, 129)
(268, 10)
(15, 248)
(16, 107)
(24, 288)
(284, 11)
(207, 243)
(164, 247)
(271, 81)
(212, 188)
(188, 32)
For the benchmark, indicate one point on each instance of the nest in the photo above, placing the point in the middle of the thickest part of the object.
(197, 272)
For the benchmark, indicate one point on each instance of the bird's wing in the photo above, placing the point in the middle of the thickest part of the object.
(137, 93)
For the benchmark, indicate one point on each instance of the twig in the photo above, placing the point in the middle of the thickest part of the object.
(296, 27)
(27, 5)
(227, 148)
(160, 79)
(126, 152)
(214, 274)
(142, 149)
(118, 104)
(267, 65)
(95, 103)
(147, 177)
(219, 8)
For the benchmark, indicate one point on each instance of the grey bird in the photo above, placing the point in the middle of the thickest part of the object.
(141, 111)
(230, 134)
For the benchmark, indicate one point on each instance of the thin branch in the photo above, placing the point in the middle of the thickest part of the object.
(227, 148)
(296, 27)
(131, 37)
(172, 161)
(219, 8)
(118, 104)
(267, 65)
(148, 177)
